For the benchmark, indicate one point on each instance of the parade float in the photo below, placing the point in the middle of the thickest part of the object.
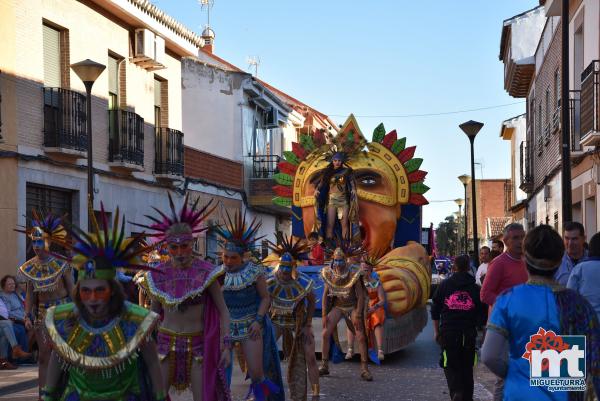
(384, 216)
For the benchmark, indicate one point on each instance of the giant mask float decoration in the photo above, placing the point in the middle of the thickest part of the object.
(387, 179)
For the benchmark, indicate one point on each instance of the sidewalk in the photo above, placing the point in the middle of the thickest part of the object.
(19, 384)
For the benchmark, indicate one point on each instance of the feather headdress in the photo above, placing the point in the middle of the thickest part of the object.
(182, 225)
(100, 252)
(288, 249)
(344, 249)
(46, 226)
(237, 235)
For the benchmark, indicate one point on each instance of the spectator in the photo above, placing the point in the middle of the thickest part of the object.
(497, 245)
(4, 362)
(16, 309)
(540, 303)
(456, 303)
(574, 239)
(585, 277)
(484, 258)
(472, 267)
(506, 271)
(317, 254)
(6, 328)
(493, 255)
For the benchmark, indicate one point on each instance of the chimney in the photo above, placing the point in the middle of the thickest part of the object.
(208, 37)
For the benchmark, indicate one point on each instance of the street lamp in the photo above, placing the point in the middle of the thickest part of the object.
(88, 71)
(457, 217)
(465, 179)
(471, 128)
(459, 202)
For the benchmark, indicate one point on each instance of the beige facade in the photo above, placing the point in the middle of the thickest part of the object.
(43, 147)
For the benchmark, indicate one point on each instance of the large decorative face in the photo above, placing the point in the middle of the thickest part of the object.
(182, 253)
(95, 296)
(382, 187)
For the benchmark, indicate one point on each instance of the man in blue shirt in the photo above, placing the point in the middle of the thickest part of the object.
(574, 239)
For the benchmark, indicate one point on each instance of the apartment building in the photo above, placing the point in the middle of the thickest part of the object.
(515, 130)
(539, 81)
(137, 136)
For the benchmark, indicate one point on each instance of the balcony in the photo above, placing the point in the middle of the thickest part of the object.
(168, 162)
(65, 128)
(525, 167)
(575, 122)
(261, 183)
(126, 140)
(590, 104)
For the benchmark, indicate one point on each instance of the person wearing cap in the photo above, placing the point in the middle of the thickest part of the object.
(247, 298)
(292, 307)
(335, 196)
(193, 338)
(344, 297)
(49, 280)
(534, 313)
(102, 345)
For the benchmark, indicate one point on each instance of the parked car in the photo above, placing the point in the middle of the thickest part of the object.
(439, 271)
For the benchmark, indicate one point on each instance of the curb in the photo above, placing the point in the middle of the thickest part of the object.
(16, 387)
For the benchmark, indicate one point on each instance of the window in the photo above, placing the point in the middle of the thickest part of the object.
(557, 88)
(52, 75)
(157, 103)
(113, 83)
(548, 106)
(45, 200)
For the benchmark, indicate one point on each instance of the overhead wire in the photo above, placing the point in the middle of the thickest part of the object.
(430, 114)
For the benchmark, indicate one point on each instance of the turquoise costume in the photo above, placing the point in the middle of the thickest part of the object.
(285, 297)
(242, 299)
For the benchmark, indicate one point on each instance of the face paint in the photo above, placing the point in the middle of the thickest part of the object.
(232, 259)
(101, 294)
(338, 263)
(38, 243)
(285, 269)
(181, 252)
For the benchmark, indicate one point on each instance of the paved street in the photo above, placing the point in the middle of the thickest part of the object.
(410, 375)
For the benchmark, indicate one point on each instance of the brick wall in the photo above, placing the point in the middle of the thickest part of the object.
(545, 157)
(214, 169)
(490, 203)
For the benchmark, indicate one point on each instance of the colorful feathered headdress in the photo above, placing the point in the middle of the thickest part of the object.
(179, 226)
(289, 250)
(237, 235)
(99, 253)
(340, 249)
(45, 226)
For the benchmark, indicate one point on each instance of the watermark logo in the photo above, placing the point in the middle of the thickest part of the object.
(556, 362)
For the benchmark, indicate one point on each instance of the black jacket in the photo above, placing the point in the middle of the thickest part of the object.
(457, 304)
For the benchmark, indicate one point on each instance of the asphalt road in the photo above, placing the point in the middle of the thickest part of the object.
(408, 375)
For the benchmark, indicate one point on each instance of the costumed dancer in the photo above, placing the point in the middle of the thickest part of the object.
(153, 258)
(247, 298)
(193, 339)
(344, 298)
(375, 312)
(336, 198)
(49, 282)
(292, 307)
(102, 344)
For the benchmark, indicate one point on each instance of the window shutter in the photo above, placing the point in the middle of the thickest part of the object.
(157, 92)
(51, 57)
(113, 75)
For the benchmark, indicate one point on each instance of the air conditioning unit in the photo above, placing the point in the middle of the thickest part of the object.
(159, 50)
(144, 44)
(271, 118)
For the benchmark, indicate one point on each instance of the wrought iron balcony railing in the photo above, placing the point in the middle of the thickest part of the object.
(169, 152)
(525, 167)
(264, 166)
(590, 99)
(65, 119)
(575, 120)
(126, 137)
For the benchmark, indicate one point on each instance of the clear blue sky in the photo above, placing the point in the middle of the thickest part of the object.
(383, 58)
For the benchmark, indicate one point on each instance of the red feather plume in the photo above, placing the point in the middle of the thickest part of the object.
(389, 139)
(407, 154)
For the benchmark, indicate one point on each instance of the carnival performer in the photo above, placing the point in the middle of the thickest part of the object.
(336, 198)
(152, 258)
(102, 345)
(292, 307)
(375, 312)
(344, 298)
(247, 297)
(193, 339)
(49, 281)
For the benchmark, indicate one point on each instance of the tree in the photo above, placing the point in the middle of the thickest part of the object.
(447, 237)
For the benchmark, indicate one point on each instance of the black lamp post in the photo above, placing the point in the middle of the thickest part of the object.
(459, 202)
(471, 128)
(88, 71)
(465, 179)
